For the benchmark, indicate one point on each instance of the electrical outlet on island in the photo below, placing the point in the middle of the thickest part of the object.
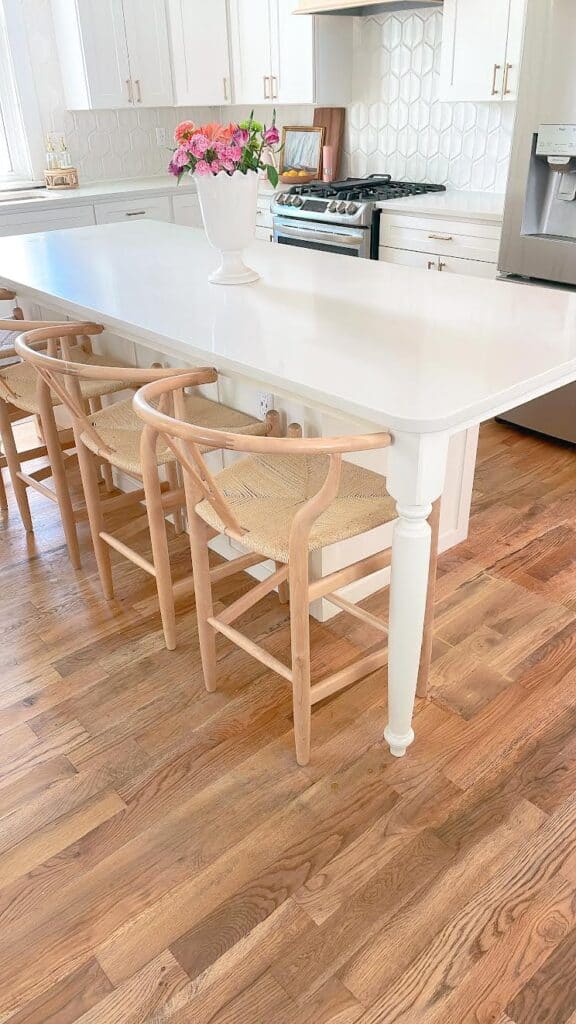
(265, 403)
(162, 136)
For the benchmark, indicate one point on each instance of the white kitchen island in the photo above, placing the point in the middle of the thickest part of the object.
(426, 356)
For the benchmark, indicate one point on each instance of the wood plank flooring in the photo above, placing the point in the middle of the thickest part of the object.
(163, 860)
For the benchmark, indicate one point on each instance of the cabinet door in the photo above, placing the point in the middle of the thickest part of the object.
(251, 54)
(149, 52)
(437, 264)
(292, 54)
(514, 49)
(199, 36)
(105, 52)
(473, 49)
(187, 210)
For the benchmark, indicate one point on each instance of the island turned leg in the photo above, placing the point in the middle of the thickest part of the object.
(416, 471)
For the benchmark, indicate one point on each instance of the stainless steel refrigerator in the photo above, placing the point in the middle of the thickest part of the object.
(539, 231)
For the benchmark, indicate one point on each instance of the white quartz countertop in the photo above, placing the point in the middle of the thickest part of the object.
(412, 351)
(100, 191)
(486, 206)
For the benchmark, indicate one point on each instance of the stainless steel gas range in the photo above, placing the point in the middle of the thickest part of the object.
(342, 216)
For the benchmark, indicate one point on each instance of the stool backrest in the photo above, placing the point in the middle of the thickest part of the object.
(61, 373)
(188, 440)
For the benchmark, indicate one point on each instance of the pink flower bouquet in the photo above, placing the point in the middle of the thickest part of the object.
(224, 149)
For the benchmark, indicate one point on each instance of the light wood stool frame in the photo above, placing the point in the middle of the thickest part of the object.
(187, 442)
(62, 376)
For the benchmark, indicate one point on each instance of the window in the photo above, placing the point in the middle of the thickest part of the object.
(20, 132)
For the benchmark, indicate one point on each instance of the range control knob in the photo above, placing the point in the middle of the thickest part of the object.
(352, 208)
(333, 207)
(281, 200)
(342, 207)
(297, 201)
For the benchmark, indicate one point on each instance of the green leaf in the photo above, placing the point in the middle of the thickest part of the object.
(272, 175)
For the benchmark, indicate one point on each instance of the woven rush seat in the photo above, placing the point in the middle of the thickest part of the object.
(265, 492)
(120, 428)
(19, 381)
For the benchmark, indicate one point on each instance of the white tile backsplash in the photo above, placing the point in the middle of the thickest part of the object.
(397, 124)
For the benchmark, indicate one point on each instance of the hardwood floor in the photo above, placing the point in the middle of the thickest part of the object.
(163, 860)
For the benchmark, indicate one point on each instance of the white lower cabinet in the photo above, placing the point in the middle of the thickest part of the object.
(187, 210)
(31, 220)
(439, 244)
(156, 208)
(438, 263)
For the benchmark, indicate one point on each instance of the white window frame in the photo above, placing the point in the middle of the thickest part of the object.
(20, 111)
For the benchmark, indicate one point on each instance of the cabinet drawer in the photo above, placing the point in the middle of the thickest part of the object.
(157, 208)
(45, 220)
(435, 263)
(449, 238)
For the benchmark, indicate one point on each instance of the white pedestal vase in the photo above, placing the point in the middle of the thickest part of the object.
(228, 203)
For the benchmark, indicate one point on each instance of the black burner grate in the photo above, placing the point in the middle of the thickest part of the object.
(375, 188)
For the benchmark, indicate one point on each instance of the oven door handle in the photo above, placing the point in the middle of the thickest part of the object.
(311, 235)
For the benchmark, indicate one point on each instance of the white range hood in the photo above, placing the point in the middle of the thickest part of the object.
(361, 7)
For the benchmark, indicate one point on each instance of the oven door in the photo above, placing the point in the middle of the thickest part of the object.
(306, 234)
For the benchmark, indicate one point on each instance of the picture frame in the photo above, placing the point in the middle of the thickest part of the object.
(301, 153)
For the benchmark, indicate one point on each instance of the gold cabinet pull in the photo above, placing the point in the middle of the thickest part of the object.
(225, 83)
(138, 91)
(130, 90)
(274, 81)
(441, 238)
(266, 89)
(495, 90)
(506, 90)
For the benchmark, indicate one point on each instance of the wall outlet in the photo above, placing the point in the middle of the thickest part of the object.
(162, 136)
(265, 403)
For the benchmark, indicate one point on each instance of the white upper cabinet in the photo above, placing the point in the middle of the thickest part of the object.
(280, 57)
(201, 61)
(481, 49)
(251, 50)
(149, 52)
(113, 53)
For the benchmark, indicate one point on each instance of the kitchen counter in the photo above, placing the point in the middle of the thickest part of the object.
(485, 206)
(135, 188)
(408, 350)
(424, 355)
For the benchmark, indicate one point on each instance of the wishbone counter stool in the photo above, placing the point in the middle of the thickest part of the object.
(290, 497)
(23, 394)
(114, 435)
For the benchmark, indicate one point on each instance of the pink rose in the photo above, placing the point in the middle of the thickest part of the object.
(233, 152)
(202, 167)
(198, 145)
(174, 169)
(271, 136)
(215, 166)
(229, 166)
(184, 130)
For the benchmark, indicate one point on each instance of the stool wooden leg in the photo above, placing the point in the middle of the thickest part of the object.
(105, 469)
(300, 643)
(3, 497)
(157, 526)
(428, 637)
(13, 461)
(283, 588)
(203, 592)
(173, 480)
(52, 442)
(89, 474)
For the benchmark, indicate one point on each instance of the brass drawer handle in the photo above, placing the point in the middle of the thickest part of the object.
(266, 84)
(497, 68)
(442, 238)
(135, 213)
(138, 91)
(507, 70)
(130, 90)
